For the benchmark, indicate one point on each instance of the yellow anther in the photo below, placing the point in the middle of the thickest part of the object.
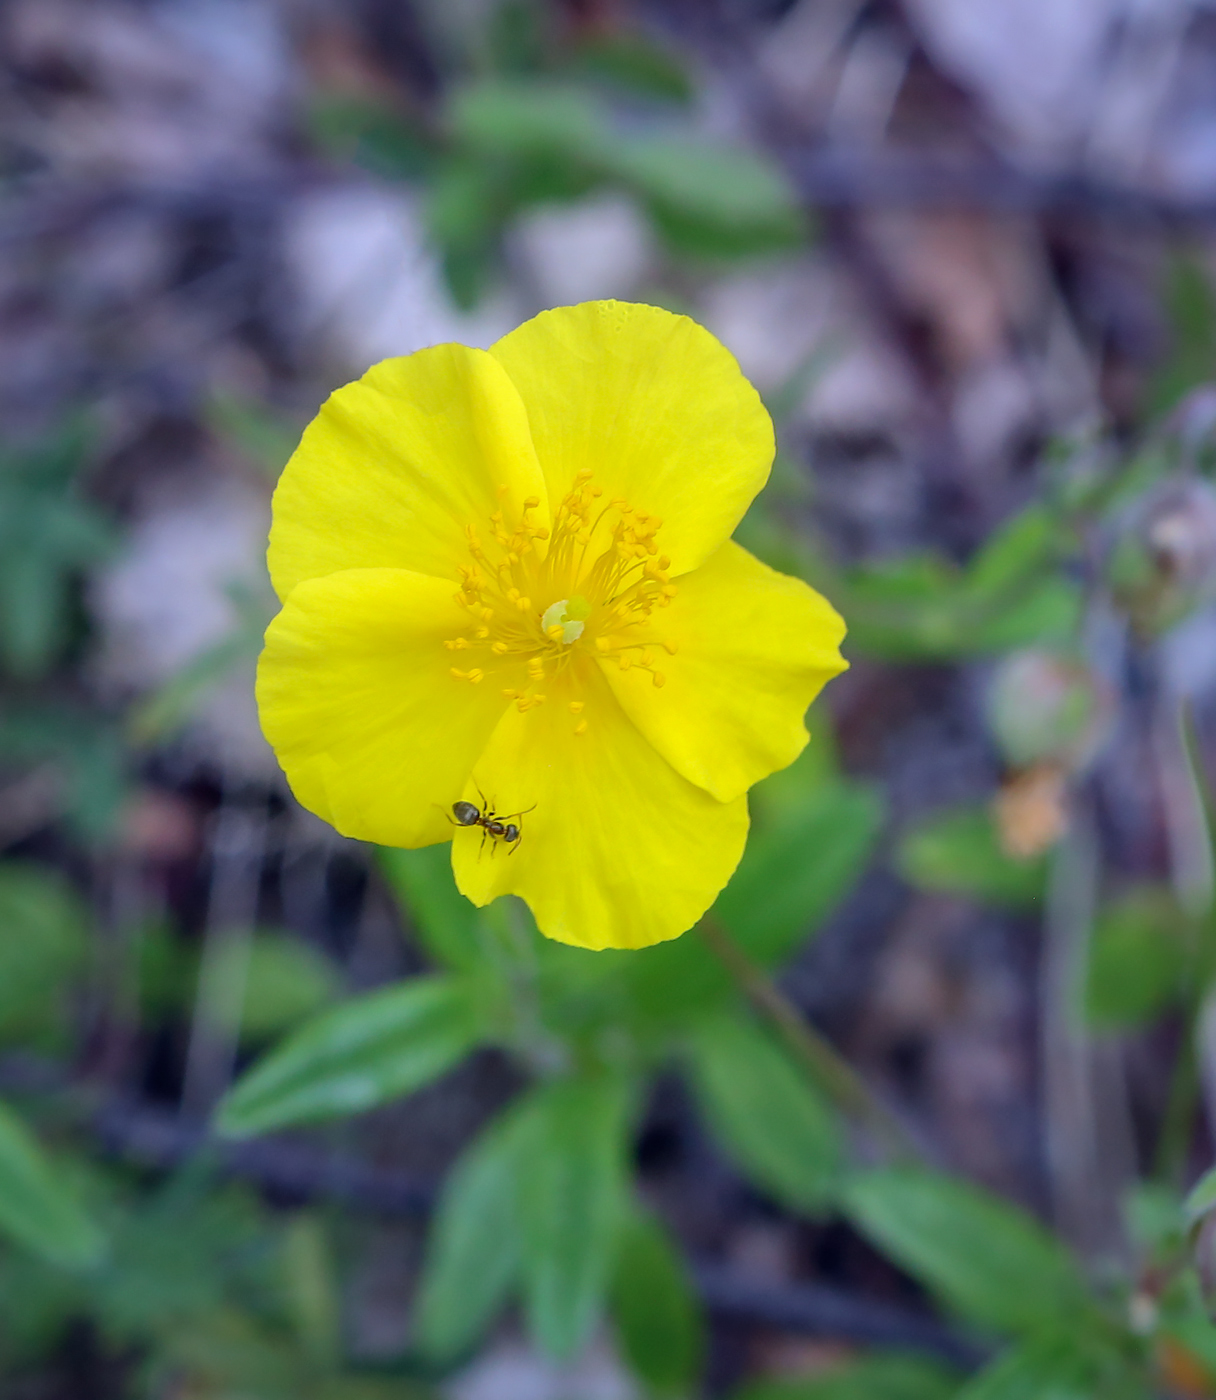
(482, 633)
(499, 648)
(660, 680)
(512, 694)
(524, 604)
(583, 474)
(670, 648)
(532, 502)
(457, 674)
(476, 675)
(457, 644)
(541, 534)
(624, 661)
(554, 633)
(664, 561)
(487, 614)
(581, 727)
(536, 668)
(576, 707)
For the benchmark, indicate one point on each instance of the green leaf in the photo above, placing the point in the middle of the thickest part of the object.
(1137, 959)
(475, 1248)
(42, 943)
(874, 1378)
(285, 982)
(444, 920)
(1056, 1366)
(797, 868)
(773, 1124)
(48, 534)
(659, 1327)
(529, 118)
(37, 1209)
(1202, 1197)
(371, 1049)
(633, 62)
(988, 1259)
(1018, 550)
(712, 200)
(959, 852)
(1192, 312)
(570, 1204)
(176, 1254)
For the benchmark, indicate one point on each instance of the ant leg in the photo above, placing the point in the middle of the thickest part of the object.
(483, 843)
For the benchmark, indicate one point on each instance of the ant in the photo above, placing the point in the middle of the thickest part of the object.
(492, 825)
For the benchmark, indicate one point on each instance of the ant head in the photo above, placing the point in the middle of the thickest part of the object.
(465, 813)
(511, 833)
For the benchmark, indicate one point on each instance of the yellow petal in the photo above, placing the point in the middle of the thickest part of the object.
(395, 466)
(654, 406)
(356, 699)
(619, 851)
(752, 650)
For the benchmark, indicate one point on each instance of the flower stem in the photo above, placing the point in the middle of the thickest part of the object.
(823, 1063)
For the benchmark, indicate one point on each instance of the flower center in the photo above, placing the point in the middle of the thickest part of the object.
(538, 599)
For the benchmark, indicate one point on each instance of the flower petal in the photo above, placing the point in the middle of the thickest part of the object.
(654, 406)
(618, 850)
(357, 700)
(753, 649)
(396, 465)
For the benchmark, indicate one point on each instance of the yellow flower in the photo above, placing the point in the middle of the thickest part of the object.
(508, 580)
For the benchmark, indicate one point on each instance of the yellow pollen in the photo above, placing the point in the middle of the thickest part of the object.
(596, 584)
(581, 727)
(670, 648)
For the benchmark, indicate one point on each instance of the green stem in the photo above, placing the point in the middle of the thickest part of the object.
(823, 1063)
(1178, 1123)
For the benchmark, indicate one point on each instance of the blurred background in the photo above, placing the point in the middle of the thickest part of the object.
(965, 250)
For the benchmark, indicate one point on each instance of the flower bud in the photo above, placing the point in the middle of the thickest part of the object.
(1047, 708)
(1163, 561)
